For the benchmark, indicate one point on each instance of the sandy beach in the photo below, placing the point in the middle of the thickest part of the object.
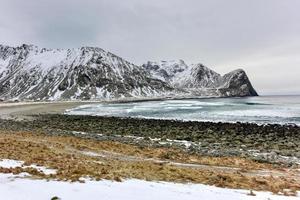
(22, 110)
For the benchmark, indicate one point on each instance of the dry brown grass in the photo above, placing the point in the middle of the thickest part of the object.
(63, 153)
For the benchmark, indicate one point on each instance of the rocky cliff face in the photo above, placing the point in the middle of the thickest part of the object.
(32, 73)
(200, 80)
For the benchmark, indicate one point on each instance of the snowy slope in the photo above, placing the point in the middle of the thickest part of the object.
(201, 80)
(29, 72)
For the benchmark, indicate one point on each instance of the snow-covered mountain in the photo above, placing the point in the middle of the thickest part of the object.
(30, 72)
(200, 80)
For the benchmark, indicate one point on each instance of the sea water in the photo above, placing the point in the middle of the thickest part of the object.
(261, 110)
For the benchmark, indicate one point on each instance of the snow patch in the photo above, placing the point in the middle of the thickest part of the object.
(8, 163)
(27, 189)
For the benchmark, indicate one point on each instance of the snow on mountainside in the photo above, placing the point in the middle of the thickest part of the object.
(29, 72)
(200, 80)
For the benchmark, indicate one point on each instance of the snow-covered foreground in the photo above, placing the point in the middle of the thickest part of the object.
(12, 188)
(22, 187)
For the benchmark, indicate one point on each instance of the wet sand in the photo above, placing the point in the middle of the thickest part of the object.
(23, 110)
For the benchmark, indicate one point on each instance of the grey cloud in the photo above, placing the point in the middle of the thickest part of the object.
(261, 36)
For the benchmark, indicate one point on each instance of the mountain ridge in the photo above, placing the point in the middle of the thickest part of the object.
(198, 78)
(28, 72)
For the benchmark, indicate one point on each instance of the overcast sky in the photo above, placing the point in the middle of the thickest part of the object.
(260, 36)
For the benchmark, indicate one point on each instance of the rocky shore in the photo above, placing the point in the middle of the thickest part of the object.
(278, 144)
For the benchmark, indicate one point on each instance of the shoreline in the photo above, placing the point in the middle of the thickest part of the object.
(116, 100)
(24, 110)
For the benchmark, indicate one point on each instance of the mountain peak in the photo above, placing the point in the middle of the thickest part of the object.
(201, 80)
(29, 72)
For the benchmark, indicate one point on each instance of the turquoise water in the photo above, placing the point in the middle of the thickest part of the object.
(265, 109)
